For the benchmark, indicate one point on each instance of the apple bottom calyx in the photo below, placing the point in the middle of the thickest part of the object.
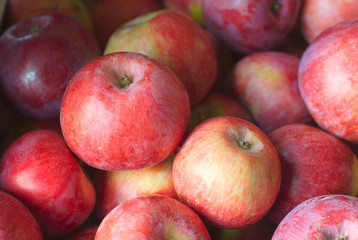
(124, 81)
(275, 7)
(243, 144)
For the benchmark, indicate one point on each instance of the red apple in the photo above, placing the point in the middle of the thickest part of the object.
(323, 217)
(16, 221)
(193, 8)
(116, 187)
(124, 111)
(251, 25)
(319, 15)
(152, 217)
(313, 163)
(215, 105)
(18, 10)
(39, 170)
(228, 171)
(108, 15)
(266, 83)
(328, 80)
(175, 40)
(45, 52)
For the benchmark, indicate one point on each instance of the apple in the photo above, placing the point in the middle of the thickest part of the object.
(18, 10)
(16, 221)
(84, 233)
(175, 40)
(40, 171)
(215, 105)
(108, 15)
(152, 217)
(124, 111)
(313, 163)
(266, 83)
(317, 16)
(116, 187)
(192, 8)
(228, 171)
(37, 59)
(328, 81)
(331, 216)
(251, 25)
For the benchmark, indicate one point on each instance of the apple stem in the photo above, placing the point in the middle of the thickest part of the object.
(246, 145)
(124, 81)
(275, 7)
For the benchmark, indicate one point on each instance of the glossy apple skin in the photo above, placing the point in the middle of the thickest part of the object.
(192, 8)
(227, 185)
(106, 18)
(116, 187)
(16, 221)
(215, 105)
(322, 217)
(114, 128)
(317, 16)
(251, 25)
(175, 40)
(266, 83)
(152, 217)
(40, 170)
(45, 53)
(18, 10)
(313, 163)
(328, 81)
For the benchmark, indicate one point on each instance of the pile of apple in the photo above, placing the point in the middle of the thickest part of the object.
(179, 119)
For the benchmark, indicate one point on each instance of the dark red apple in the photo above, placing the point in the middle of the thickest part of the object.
(38, 57)
(40, 170)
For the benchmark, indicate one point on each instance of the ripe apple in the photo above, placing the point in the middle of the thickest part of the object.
(40, 171)
(108, 15)
(192, 8)
(215, 105)
(116, 187)
(16, 221)
(323, 217)
(45, 52)
(18, 10)
(152, 217)
(266, 83)
(328, 81)
(251, 25)
(124, 111)
(228, 171)
(175, 40)
(317, 15)
(313, 163)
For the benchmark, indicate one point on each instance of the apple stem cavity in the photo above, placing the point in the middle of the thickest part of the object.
(124, 81)
(275, 7)
(341, 238)
(35, 28)
(243, 144)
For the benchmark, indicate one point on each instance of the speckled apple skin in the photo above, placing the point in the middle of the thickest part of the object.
(250, 25)
(114, 128)
(175, 40)
(266, 83)
(318, 15)
(192, 8)
(16, 221)
(39, 169)
(226, 185)
(313, 163)
(321, 217)
(328, 81)
(152, 217)
(116, 187)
